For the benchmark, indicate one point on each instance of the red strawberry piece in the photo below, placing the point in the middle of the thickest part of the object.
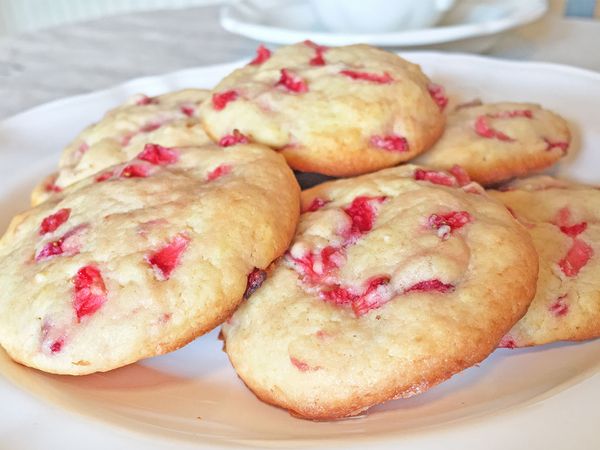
(53, 221)
(165, 260)
(135, 171)
(559, 307)
(461, 175)
(371, 298)
(367, 76)
(431, 285)
(220, 100)
(511, 114)
(576, 258)
(318, 59)
(51, 341)
(159, 155)
(187, 110)
(300, 365)
(483, 129)
(561, 145)
(507, 342)
(103, 176)
(438, 95)
(233, 139)
(391, 142)
(362, 214)
(67, 245)
(435, 177)
(339, 296)
(315, 267)
(89, 291)
(316, 204)
(51, 186)
(218, 172)
(574, 230)
(255, 280)
(150, 127)
(262, 54)
(292, 82)
(145, 100)
(445, 224)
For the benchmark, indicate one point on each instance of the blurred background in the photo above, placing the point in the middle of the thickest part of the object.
(17, 16)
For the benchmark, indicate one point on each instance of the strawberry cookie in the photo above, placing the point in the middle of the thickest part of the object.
(338, 111)
(563, 219)
(170, 120)
(394, 282)
(497, 141)
(142, 257)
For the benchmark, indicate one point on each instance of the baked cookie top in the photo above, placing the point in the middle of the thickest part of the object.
(563, 219)
(497, 141)
(394, 282)
(142, 257)
(337, 111)
(170, 120)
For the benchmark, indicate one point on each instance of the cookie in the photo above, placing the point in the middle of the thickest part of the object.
(498, 141)
(563, 219)
(337, 111)
(394, 282)
(142, 257)
(170, 120)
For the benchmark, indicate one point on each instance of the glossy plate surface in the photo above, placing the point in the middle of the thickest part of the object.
(544, 396)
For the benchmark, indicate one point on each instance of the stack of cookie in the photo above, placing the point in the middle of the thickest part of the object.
(179, 213)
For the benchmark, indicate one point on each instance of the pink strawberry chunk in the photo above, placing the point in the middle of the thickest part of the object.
(152, 126)
(220, 100)
(292, 82)
(559, 307)
(53, 221)
(159, 155)
(483, 129)
(385, 78)
(262, 54)
(318, 59)
(67, 245)
(315, 205)
(362, 214)
(574, 230)
(135, 171)
(300, 365)
(315, 267)
(391, 142)
(187, 110)
(445, 224)
(438, 95)
(233, 139)
(218, 172)
(431, 285)
(145, 100)
(89, 291)
(507, 342)
(563, 146)
(435, 177)
(461, 175)
(166, 260)
(576, 258)
(255, 280)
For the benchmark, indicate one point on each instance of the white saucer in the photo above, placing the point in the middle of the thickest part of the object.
(287, 22)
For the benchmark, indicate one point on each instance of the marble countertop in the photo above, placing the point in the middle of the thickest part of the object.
(46, 65)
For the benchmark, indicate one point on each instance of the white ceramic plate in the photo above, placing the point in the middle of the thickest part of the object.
(287, 22)
(543, 397)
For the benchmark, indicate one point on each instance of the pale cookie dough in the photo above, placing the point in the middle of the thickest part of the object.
(563, 219)
(395, 281)
(143, 257)
(337, 111)
(170, 120)
(497, 141)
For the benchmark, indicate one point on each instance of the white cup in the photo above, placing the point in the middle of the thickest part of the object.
(378, 16)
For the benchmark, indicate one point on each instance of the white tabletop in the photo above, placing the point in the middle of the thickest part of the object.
(73, 59)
